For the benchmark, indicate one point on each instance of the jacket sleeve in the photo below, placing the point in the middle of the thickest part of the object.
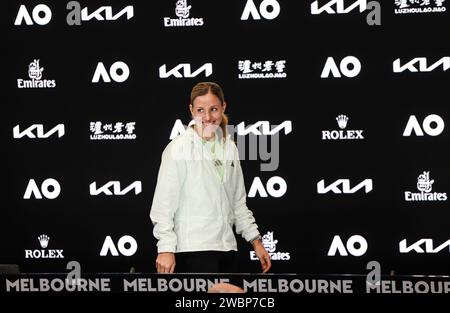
(166, 201)
(244, 220)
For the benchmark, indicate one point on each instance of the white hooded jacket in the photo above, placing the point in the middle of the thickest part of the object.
(193, 208)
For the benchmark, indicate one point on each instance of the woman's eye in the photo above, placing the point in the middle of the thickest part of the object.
(199, 110)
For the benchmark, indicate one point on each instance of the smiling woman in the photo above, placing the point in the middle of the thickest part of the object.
(208, 109)
(200, 195)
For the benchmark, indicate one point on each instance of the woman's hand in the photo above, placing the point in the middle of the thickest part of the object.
(165, 262)
(262, 255)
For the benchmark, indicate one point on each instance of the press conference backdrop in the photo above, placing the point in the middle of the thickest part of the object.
(352, 97)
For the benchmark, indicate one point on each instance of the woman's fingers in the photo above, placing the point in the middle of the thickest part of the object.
(165, 263)
(266, 263)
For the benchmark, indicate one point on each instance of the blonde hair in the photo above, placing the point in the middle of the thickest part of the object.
(204, 88)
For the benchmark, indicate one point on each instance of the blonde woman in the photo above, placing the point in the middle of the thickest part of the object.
(200, 195)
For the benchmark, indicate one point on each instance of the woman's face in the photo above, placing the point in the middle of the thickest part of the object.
(207, 111)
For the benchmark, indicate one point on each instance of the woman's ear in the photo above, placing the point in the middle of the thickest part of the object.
(191, 108)
(224, 105)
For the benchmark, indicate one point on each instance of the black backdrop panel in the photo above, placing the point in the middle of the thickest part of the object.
(353, 223)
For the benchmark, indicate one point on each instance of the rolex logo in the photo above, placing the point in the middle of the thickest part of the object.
(44, 253)
(342, 133)
(43, 240)
(342, 121)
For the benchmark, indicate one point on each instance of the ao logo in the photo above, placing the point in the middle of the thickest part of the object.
(269, 9)
(356, 245)
(119, 72)
(41, 15)
(349, 66)
(258, 187)
(50, 188)
(126, 245)
(427, 126)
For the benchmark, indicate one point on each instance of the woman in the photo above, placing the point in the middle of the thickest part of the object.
(200, 195)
